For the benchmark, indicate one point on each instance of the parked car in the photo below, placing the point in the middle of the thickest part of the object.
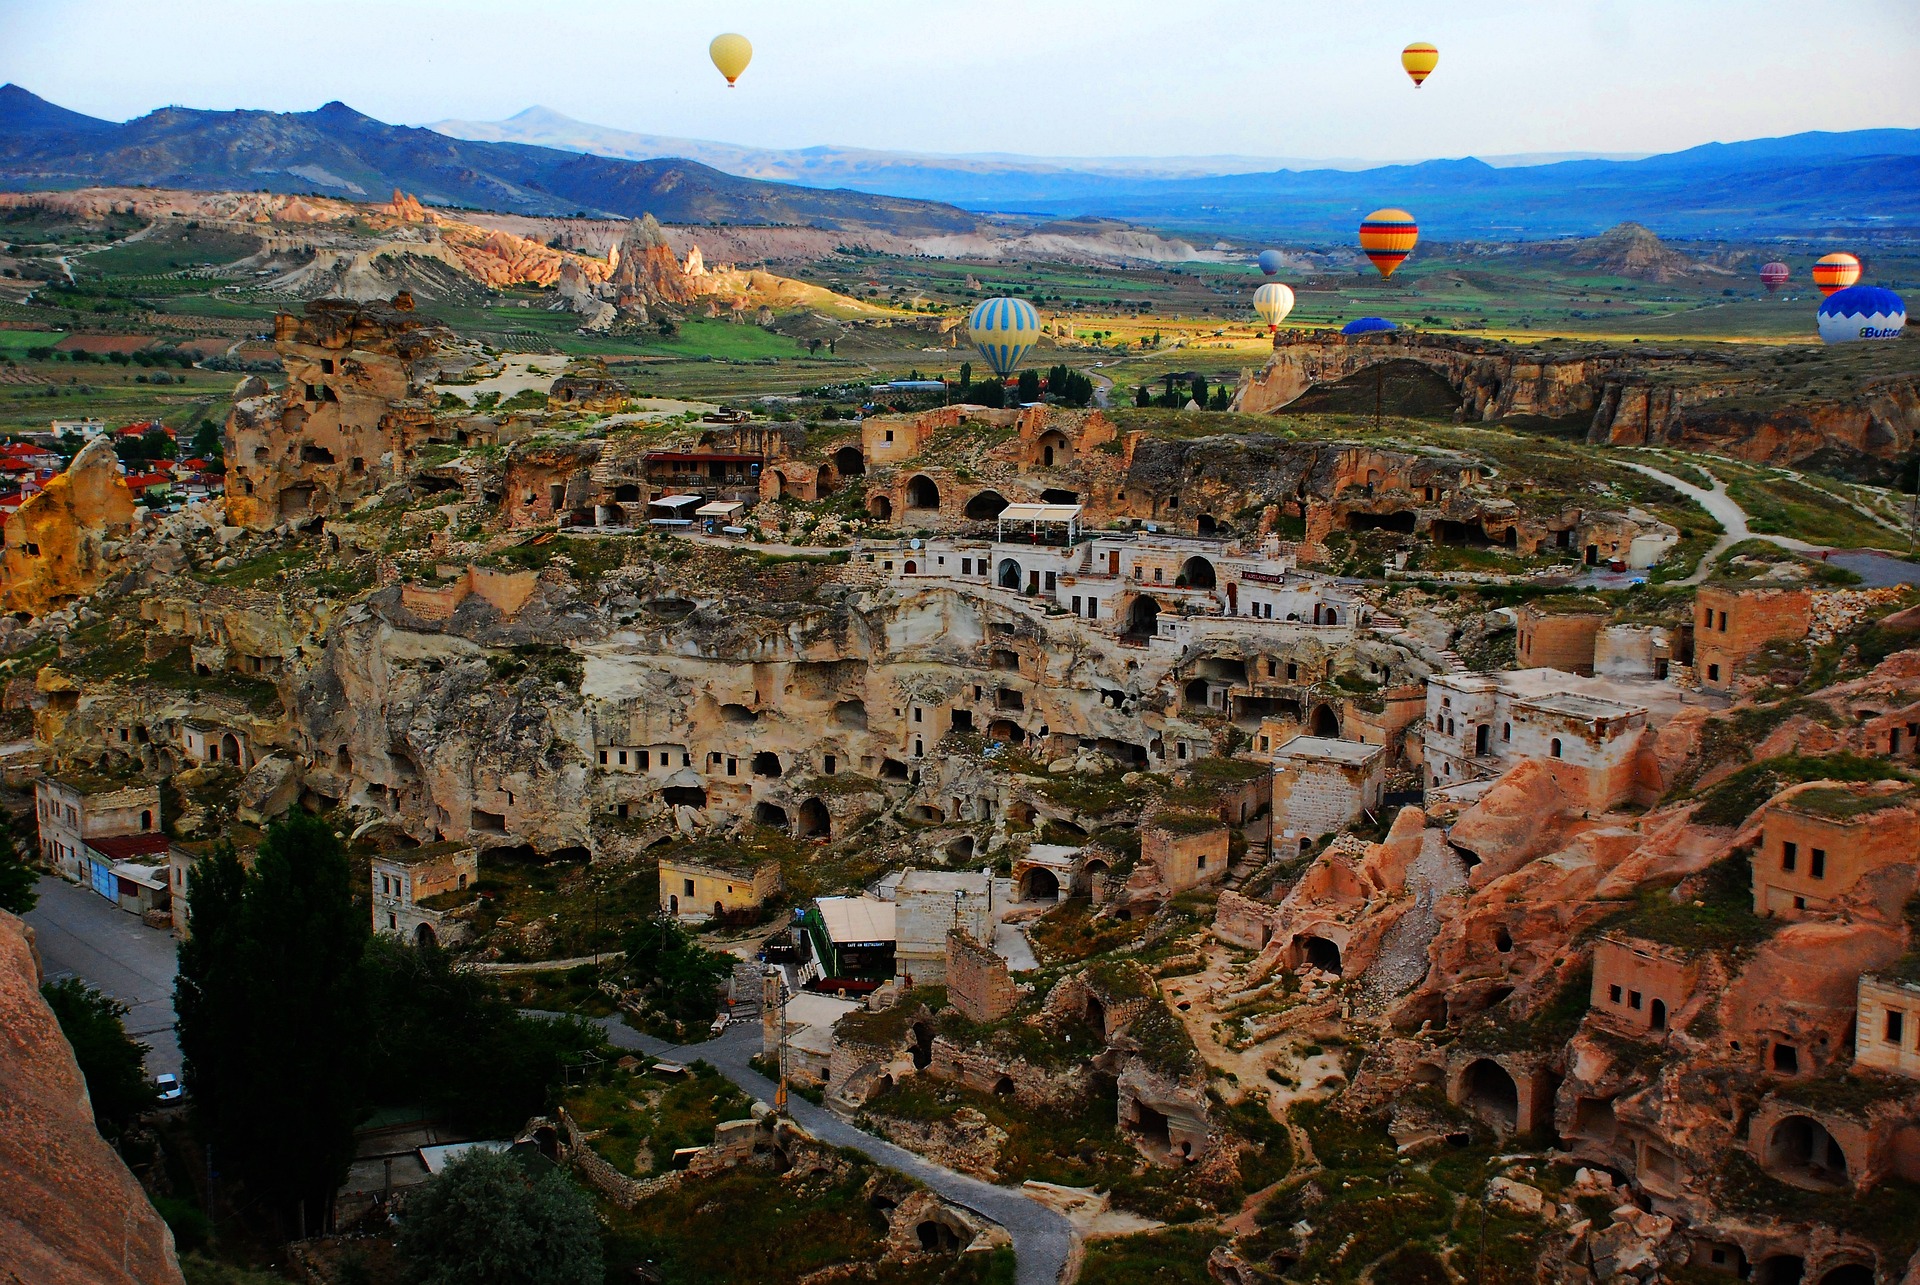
(169, 1087)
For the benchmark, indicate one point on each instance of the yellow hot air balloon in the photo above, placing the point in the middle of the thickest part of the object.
(1419, 58)
(1836, 271)
(1273, 301)
(731, 53)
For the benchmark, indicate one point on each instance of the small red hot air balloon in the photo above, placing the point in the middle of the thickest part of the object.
(1774, 275)
(1387, 237)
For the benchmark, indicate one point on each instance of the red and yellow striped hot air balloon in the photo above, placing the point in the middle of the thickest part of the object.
(1419, 58)
(1388, 237)
(1836, 272)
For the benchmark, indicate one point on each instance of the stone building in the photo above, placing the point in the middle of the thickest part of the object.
(1321, 785)
(1562, 640)
(1887, 1031)
(76, 810)
(1479, 725)
(929, 905)
(693, 888)
(978, 981)
(1814, 842)
(1186, 848)
(404, 880)
(349, 420)
(1639, 985)
(1733, 622)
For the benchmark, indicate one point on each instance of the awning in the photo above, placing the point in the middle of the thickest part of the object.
(1041, 513)
(719, 509)
(856, 921)
(673, 501)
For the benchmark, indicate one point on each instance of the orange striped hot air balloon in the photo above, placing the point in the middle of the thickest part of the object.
(1419, 58)
(1388, 237)
(1836, 272)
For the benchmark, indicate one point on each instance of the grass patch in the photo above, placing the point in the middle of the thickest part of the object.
(1738, 797)
(1171, 1257)
(1717, 916)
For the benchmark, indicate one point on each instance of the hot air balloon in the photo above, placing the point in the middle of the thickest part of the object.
(1367, 326)
(1774, 275)
(730, 53)
(1271, 262)
(1861, 312)
(1419, 58)
(1388, 237)
(1003, 329)
(1836, 272)
(1273, 302)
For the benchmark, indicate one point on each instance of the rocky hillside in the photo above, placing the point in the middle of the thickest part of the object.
(336, 151)
(1631, 250)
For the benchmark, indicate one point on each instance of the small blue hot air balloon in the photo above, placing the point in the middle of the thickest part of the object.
(1271, 262)
(1367, 326)
(1861, 312)
(1003, 329)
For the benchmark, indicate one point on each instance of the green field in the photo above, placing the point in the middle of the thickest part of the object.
(15, 343)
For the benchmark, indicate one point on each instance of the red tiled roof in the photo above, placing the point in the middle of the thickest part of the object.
(125, 847)
(140, 481)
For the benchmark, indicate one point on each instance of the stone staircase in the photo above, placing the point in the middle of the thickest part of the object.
(1390, 626)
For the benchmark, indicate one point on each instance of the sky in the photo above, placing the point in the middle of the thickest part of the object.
(1279, 78)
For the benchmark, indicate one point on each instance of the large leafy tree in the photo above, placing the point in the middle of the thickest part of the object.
(113, 1063)
(483, 1221)
(681, 977)
(273, 1016)
(17, 878)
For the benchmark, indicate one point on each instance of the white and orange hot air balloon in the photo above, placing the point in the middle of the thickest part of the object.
(1836, 271)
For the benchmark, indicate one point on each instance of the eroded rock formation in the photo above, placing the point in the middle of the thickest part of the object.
(64, 542)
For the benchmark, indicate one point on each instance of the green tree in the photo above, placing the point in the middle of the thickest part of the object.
(1143, 396)
(484, 1222)
(17, 878)
(681, 977)
(274, 1021)
(990, 392)
(1029, 389)
(113, 1063)
(207, 444)
(1200, 390)
(966, 375)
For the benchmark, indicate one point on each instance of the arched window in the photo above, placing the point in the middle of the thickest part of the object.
(1554, 749)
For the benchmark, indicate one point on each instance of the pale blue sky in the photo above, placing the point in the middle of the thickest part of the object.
(1052, 77)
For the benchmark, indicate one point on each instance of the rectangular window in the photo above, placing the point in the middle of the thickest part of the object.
(1050, 581)
(1093, 609)
(830, 764)
(1076, 604)
(1817, 863)
(1613, 994)
(1713, 673)
(889, 435)
(1263, 743)
(644, 761)
(733, 767)
(687, 885)
(1633, 999)
(1156, 575)
(1293, 671)
(623, 758)
(603, 758)
(1272, 667)
(1789, 856)
(1896, 1026)
(966, 566)
(916, 713)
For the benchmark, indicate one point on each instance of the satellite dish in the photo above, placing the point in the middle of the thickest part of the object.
(914, 543)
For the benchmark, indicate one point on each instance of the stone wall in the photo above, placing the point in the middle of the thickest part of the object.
(1556, 640)
(1244, 922)
(978, 981)
(1732, 624)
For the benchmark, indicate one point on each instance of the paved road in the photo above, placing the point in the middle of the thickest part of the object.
(80, 932)
(1041, 1237)
(1732, 519)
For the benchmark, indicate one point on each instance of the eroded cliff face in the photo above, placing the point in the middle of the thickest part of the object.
(1846, 412)
(70, 1212)
(63, 543)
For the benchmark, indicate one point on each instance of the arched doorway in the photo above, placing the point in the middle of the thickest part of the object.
(814, 821)
(1780, 1269)
(1009, 574)
(1492, 1095)
(1848, 1274)
(423, 937)
(1143, 617)
(880, 508)
(1198, 572)
(771, 815)
(1039, 884)
(230, 748)
(1205, 525)
(937, 1238)
(1657, 1015)
(849, 462)
(922, 493)
(985, 506)
(1325, 722)
(1801, 1151)
(1053, 448)
(776, 485)
(1320, 953)
(673, 905)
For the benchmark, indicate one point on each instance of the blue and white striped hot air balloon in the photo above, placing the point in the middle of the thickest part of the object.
(1861, 312)
(1003, 329)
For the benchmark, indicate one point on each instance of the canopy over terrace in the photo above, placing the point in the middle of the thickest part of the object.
(675, 509)
(1037, 516)
(719, 509)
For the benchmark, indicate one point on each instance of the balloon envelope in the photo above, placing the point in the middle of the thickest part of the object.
(1273, 302)
(1270, 262)
(1003, 329)
(1836, 272)
(1367, 326)
(1419, 58)
(1861, 312)
(731, 53)
(1774, 275)
(1388, 237)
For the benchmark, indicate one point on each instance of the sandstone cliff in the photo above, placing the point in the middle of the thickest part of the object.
(70, 1212)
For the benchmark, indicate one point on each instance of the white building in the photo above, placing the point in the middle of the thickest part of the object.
(930, 903)
(1479, 725)
(1321, 784)
(74, 811)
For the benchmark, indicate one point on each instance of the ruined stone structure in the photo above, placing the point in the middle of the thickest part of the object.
(349, 421)
(1638, 985)
(977, 980)
(1321, 785)
(1561, 640)
(693, 889)
(930, 906)
(1887, 1034)
(1816, 842)
(1479, 724)
(1732, 623)
(406, 879)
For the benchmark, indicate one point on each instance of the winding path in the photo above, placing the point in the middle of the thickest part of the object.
(1042, 1238)
(1731, 517)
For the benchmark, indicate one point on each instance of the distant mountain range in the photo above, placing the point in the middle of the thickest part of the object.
(1859, 183)
(338, 152)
